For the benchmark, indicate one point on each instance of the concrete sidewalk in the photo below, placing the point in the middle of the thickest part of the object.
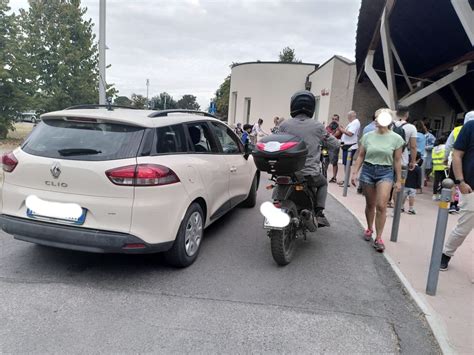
(453, 306)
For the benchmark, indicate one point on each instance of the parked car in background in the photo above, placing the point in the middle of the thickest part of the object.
(125, 181)
(28, 117)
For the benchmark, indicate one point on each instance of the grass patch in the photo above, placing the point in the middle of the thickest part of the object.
(16, 137)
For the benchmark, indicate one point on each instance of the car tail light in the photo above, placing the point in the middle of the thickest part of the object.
(275, 146)
(142, 175)
(9, 162)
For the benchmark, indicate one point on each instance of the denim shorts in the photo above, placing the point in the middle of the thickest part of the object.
(373, 174)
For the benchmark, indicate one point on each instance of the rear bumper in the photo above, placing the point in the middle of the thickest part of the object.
(76, 238)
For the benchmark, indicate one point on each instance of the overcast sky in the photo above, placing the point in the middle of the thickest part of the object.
(186, 46)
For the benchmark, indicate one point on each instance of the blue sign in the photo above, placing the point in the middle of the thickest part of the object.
(212, 108)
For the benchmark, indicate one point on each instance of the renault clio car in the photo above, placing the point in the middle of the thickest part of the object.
(115, 180)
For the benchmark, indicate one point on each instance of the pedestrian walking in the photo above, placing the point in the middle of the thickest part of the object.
(333, 129)
(246, 134)
(454, 134)
(430, 140)
(408, 133)
(238, 129)
(349, 139)
(370, 127)
(440, 168)
(412, 184)
(257, 130)
(420, 137)
(463, 166)
(277, 121)
(379, 160)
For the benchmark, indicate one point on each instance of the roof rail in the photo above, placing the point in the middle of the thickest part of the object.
(166, 112)
(92, 106)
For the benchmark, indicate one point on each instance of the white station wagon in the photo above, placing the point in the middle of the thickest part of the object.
(116, 180)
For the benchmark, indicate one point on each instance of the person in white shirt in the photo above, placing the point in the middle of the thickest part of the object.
(257, 130)
(350, 137)
(408, 160)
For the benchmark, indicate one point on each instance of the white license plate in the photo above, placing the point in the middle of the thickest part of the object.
(55, 211)
(268, 225)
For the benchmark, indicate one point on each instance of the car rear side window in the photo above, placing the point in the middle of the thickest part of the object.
(170, 139)
(201, 138)
(78, 140)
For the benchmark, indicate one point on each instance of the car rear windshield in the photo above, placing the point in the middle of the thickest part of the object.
(76, 140)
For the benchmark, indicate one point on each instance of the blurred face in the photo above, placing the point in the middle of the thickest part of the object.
(335, 118)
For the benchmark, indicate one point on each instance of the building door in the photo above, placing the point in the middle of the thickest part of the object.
(233, 106)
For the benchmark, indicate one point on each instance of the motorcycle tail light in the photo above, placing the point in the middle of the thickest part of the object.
(283, 180)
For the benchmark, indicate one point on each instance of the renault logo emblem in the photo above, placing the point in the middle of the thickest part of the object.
(55, 169)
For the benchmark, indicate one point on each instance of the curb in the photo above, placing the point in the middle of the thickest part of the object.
(434, 320)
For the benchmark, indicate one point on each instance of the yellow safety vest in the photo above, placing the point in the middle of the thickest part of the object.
(438, 159)
(456, 131)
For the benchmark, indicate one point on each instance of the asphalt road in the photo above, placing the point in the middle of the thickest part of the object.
(338, 295)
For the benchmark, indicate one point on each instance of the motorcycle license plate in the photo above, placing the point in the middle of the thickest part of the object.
(268, 225)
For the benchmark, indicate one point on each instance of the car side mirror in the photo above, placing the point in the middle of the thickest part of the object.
(247, 150)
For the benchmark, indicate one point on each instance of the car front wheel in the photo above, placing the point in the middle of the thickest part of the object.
(185, 249)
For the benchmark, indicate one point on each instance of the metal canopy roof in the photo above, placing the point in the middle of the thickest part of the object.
(429, 38)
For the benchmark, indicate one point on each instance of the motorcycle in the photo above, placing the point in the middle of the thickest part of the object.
(290, 216)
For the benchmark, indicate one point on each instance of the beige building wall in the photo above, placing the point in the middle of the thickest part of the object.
(267, 87)
(322, 80)
(336, 76)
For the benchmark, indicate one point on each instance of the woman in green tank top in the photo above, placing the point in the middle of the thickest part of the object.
(380, 154)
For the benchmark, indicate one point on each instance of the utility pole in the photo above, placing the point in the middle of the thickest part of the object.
(102, 81)
(147, 87)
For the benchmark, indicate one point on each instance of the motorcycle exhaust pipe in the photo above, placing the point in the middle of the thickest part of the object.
(308, 220)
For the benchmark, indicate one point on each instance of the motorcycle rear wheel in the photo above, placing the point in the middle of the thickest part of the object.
(283, 242)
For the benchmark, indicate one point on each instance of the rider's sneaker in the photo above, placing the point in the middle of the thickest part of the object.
(368, 234)
(379, 245)
(322, 221)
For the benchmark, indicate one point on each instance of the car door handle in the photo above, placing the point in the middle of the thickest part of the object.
(233, 169)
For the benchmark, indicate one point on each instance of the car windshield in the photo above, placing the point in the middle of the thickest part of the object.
(77, 140)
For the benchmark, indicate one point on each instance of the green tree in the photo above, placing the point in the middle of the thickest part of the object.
(188, 102)
(122, 101)
(7, 104)
(138, 101)
(61, 46)
(15, 89)
(163, 101)
(222, 98)
(287, 55)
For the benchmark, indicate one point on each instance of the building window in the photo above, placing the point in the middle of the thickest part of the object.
(316, 108)
(248, 101)
(233, 106)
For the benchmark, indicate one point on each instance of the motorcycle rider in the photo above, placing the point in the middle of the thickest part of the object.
(314, 134)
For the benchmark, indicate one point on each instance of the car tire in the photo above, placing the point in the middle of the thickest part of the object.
(251, 200)
(186, 247)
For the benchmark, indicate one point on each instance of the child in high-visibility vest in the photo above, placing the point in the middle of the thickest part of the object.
(439, 167)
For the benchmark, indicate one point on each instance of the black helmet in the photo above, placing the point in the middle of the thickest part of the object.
(302, 102)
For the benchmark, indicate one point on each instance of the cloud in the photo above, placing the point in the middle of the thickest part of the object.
(186, 46)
